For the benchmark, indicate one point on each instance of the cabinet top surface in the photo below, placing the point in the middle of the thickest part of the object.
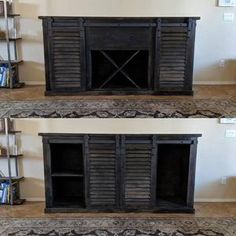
(127, 135)
(121, 18)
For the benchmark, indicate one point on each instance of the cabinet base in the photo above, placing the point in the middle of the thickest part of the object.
(156, 211)
(97, 93)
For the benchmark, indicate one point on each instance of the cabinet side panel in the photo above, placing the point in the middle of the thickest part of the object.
(190, 54)
(47, 173)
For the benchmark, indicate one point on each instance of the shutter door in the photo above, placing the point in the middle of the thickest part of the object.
(102, 171)
(138, 172)
(173, 56)
(65, 55)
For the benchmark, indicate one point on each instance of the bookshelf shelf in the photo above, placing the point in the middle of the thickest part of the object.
(16, 202)
(15, 86)
(10, 15)
(11, 39)
(13, 62)
(12, 132)
(14, 179)
(11, 156)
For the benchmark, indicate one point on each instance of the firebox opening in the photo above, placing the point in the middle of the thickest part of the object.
(120, 69)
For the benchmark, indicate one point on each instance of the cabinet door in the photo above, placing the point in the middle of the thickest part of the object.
(103, 190)
(63, 39)
(138, 159)
(175, 50)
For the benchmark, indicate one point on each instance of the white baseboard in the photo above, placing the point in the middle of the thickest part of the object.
(215, 200)
(214, 82)
(34, 82)
(195, 82)
(34, 199)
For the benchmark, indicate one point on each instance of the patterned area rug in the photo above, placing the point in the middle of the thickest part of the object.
(179, 108)
(119, 227)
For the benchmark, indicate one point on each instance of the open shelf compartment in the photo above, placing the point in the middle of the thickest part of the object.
(172, 175)
(68, 192)
(67, 160)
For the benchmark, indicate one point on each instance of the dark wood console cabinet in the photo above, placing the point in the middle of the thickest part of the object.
(113, 173)
(85, 55)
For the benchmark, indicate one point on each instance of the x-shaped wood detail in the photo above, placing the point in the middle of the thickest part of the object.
(119, 68)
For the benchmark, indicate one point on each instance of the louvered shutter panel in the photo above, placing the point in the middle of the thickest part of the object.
(102, 172)
(173, 56)
(65, 53)
(138, 172)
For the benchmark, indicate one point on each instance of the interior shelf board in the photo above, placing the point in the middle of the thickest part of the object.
(67, 175)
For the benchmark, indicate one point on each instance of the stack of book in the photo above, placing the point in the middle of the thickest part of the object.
(5, 193)
(5, 75)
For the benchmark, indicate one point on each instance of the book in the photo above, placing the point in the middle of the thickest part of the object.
(1, 192)
(5, 75)
(5, 195)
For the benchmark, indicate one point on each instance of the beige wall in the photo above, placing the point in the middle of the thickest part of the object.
(216, 154)
(215, 38)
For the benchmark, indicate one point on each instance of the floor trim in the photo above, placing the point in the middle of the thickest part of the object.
(214, 82)
(215, 200)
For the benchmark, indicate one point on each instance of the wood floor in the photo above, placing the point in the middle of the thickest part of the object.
(36, 210)
(37, 93)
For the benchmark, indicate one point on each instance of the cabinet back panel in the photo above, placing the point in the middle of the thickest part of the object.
(172, 172)
(67, 158)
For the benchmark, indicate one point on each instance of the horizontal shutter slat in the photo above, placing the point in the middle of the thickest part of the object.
(137, 173)
(173, 57)
(102, 169)
(65, 53)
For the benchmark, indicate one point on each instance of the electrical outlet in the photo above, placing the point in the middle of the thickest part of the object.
(230, 133)
(228, 121)
(224, 180)
(222, 63)
(226, 3)
(229, 17)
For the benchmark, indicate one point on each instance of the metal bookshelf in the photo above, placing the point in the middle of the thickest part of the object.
(12, 180)
(12, 61)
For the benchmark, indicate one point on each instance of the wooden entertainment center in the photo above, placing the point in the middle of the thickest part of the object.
(120, 173)
(103, 55)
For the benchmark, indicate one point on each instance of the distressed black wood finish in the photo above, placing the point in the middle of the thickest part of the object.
(111, 173)
(63, 43)
(85, 55)
(137, 172)
(102, 169)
